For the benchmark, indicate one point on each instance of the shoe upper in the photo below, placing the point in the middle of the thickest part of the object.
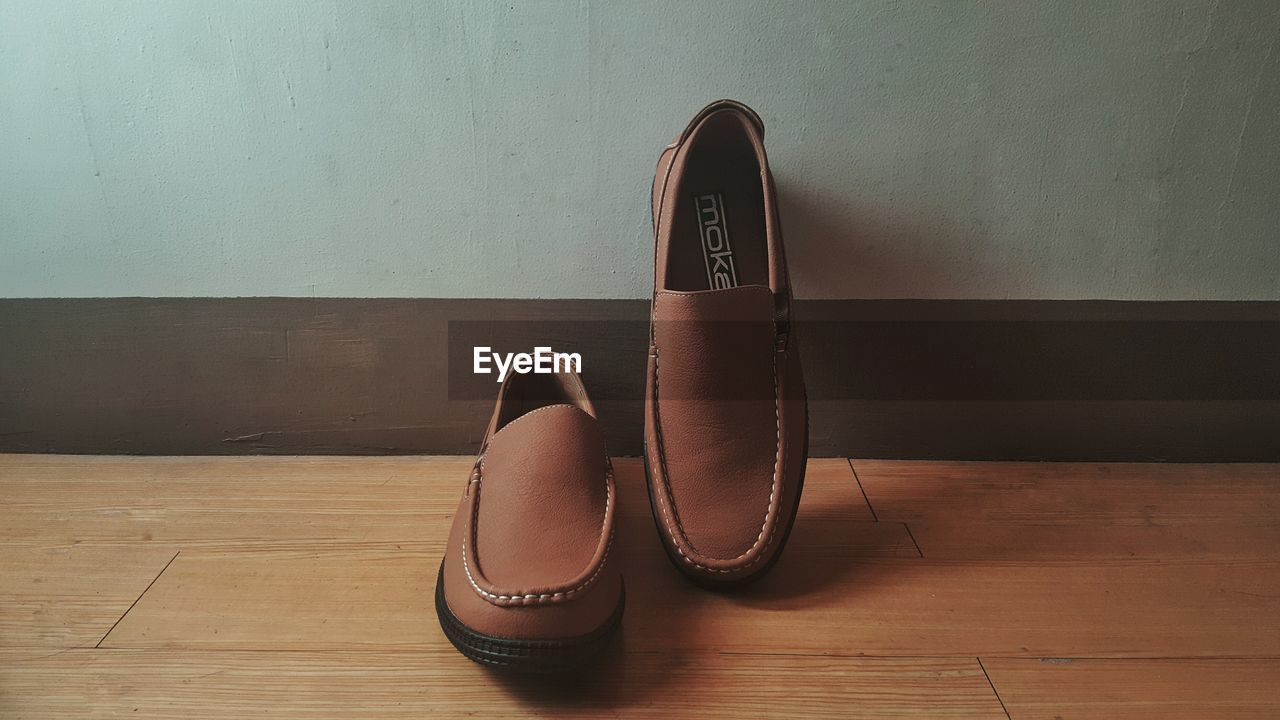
(529, 555)
(725, 421)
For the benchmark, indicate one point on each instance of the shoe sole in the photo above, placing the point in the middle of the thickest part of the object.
(526, 656)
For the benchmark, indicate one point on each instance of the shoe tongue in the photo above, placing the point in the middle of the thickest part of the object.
(747, 303)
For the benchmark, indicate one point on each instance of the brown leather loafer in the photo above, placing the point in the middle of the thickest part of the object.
(726, 428)
(528, 580)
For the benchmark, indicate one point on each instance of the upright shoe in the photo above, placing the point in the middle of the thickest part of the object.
(527, 580)
(726, 429)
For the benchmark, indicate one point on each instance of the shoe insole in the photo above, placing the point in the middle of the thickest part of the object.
(530, 392)
(718, 236)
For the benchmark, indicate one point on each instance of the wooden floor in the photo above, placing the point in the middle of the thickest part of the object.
(302, 588)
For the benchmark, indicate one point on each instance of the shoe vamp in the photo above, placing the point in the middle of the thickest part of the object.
(718, 416)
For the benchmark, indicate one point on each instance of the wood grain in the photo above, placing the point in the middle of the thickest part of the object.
(1073, 512)
(240, 501)
(1163, 689)
(303, 588)
(830, 489)
(392, 685)
(326, 598)
(890, 606)
(829, 595)
(1134, 494)
(61, 597)
(845, 586)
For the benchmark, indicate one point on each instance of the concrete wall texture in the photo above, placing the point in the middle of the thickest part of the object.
(1123, 150)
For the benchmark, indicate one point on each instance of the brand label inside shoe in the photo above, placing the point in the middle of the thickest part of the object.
(721, 272)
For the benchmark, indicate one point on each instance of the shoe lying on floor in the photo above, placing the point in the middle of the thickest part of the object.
(726, 431)
(527, 580)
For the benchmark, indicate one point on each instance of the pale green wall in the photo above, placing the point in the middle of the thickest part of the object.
(1124, 150)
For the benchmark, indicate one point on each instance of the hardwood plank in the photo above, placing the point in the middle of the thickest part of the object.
(1052, 512)
(443, 684)
(824, 597)
(886, 607)
(1183, 544)
(845, 586)
(1159, 689)
(830, 489)
(1135, 494)
(339, 598)
(70, 596)
(326, 599)
(272, 559)
(273, 501)
(875, 608)
(55, 500)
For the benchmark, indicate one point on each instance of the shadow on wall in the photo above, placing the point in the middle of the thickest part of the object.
(862, 251)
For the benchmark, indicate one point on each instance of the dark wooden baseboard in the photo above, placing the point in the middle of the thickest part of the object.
(1094, 380)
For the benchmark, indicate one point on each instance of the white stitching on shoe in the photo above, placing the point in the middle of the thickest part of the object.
(668, 509)
(534, 598)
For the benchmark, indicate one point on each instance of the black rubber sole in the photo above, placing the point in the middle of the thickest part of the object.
(525, 656)
(739, 582)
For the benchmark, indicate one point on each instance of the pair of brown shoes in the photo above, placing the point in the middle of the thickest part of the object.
(528, 580)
